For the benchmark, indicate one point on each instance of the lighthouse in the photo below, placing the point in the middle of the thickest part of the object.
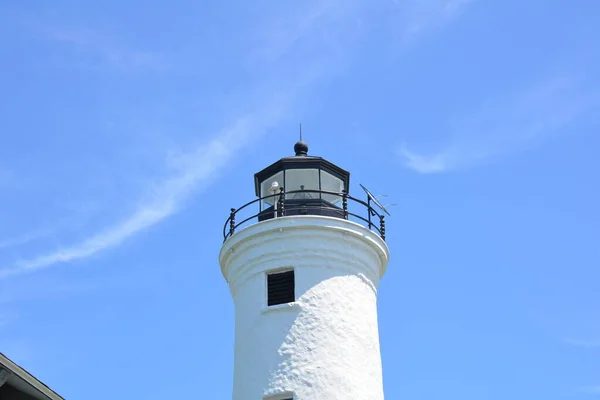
(303, 261)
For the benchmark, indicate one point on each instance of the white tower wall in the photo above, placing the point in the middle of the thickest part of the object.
(326, 344)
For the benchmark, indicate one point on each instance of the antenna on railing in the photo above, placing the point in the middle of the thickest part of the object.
(379, 196)
(374, 199)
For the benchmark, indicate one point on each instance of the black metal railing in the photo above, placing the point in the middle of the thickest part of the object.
(282, 206)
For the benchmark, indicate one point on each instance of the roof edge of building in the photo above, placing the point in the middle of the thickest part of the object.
(31, 380)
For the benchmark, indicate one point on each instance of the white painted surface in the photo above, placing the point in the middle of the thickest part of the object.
(326, 345)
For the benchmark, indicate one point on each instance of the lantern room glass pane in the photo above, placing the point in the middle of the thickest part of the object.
(302, 179)
(264, 189)
(331, 183)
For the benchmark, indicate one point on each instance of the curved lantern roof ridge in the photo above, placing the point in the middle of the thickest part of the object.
(301, 161)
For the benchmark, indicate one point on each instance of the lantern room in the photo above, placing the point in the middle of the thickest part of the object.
(305, 185)
(302, 185)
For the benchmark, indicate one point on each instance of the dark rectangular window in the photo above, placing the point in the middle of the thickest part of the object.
(280, 288)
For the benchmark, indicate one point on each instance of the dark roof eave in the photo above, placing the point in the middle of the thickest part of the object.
(29, 379)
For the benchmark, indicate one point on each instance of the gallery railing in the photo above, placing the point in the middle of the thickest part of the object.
(282, 205)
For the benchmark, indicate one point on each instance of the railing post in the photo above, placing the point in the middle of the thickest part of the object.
(232, 222)
(369, 211)
(345, 203)
(280, 210)
(382, 226)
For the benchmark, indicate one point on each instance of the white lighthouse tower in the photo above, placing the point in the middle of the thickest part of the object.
(303, 272)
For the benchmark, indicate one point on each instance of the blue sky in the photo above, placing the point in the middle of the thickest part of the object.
(128, 130)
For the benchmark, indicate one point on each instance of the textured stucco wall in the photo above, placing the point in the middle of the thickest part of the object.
(324, 346)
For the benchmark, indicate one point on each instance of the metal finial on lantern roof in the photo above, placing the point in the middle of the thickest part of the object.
(301, 147)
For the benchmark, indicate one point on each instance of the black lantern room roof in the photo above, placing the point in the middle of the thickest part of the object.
(300, 161)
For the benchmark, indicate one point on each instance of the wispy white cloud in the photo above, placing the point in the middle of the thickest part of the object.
(194, 170)
(591, 389)
(197, 168)
(418, 18)
(591, 344)
(425, 164)
(452, 7)
(96, 50)
(6, 177)
(43, 288)
(24, 239)
(4, 320)
(508, 125)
